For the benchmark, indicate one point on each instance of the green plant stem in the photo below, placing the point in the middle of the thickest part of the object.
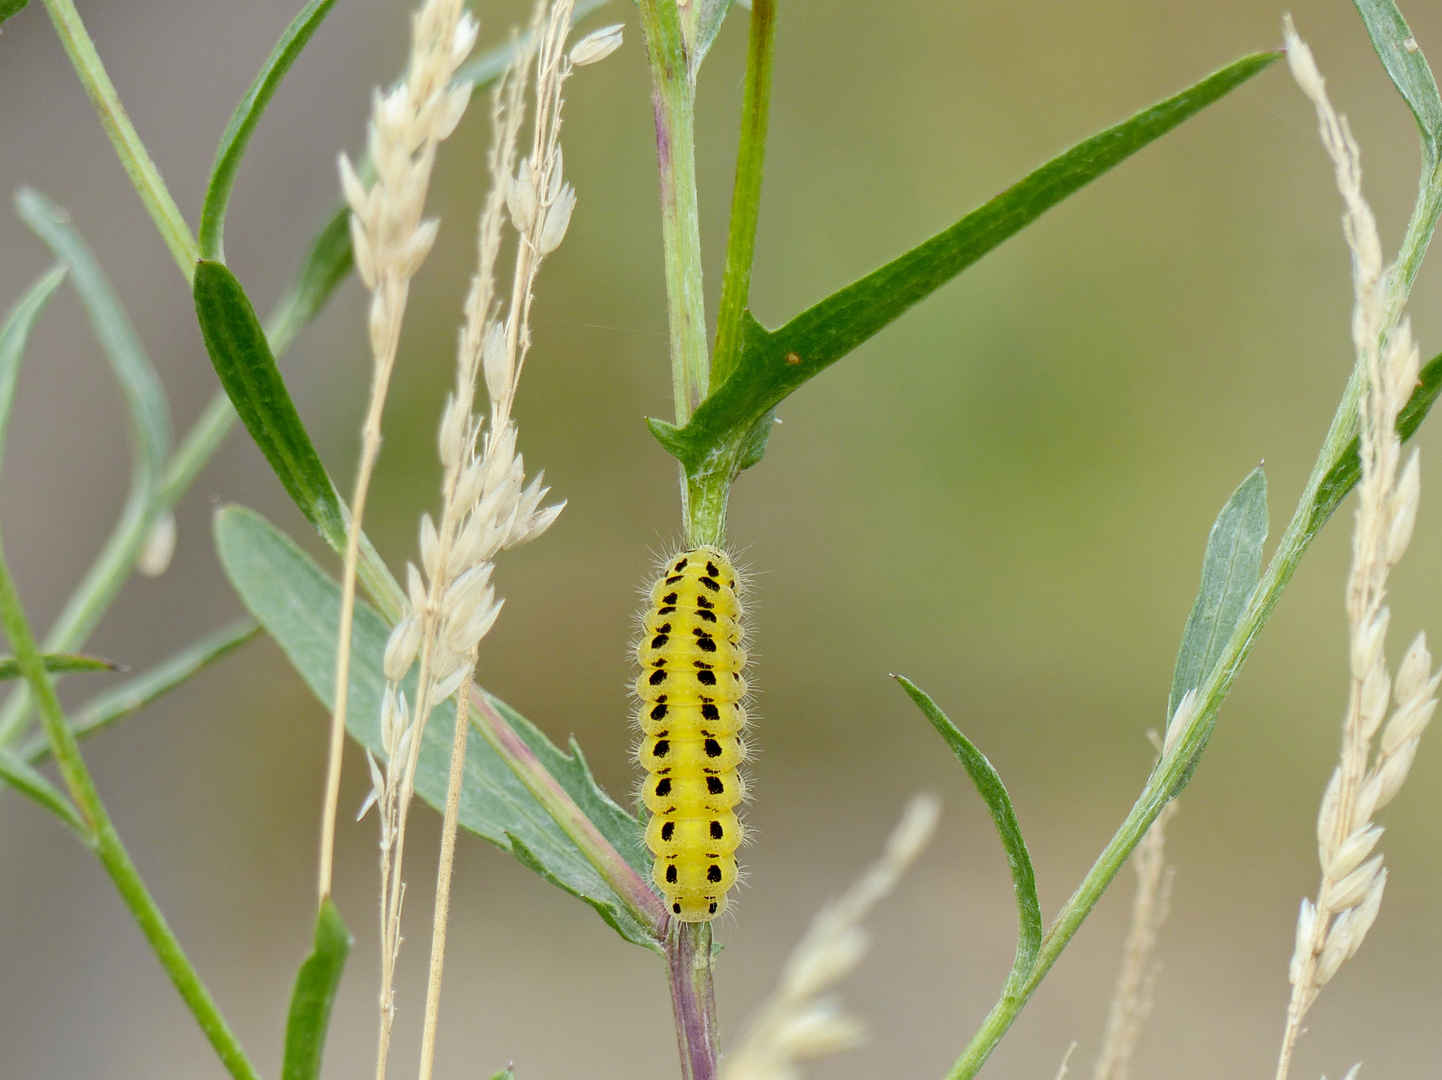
(673, 96)
(746, 196)
(133, 155)
(116, 561)
(105, 841)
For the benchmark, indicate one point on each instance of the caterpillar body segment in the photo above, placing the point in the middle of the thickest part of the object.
(692, 689)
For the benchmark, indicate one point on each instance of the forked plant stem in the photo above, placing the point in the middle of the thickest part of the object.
(105, 841)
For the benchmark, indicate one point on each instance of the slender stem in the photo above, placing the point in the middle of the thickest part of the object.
(673, 97)
(133, 155)
(443, 877)
(746, 196)
(370, 450)
(705, 507)
(639, 898)
(106, 843)
(693, 998)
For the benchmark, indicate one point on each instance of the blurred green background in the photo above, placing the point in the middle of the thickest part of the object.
(1005, 497)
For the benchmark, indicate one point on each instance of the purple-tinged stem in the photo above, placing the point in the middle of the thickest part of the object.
(643, 903)
(693, 998)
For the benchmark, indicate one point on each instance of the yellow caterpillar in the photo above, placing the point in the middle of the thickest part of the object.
(692, 714)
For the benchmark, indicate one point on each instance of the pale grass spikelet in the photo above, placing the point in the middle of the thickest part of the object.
(159, 547)
(487, 505)
(797, 1022)
(390, 239)
(1375, 756)
(1132, 995)
(597, 45)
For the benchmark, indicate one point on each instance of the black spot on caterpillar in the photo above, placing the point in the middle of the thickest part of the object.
(692, 746)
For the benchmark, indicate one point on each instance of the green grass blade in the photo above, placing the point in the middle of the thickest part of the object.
(24, 779)
(310, 1002)
(144, 395)
(1408, 70)
(105, 709)
(149, 415)
(247, 115)
(993, 792)
(299, 605)
(15, 336)
(56, 663)
(242, 358)
(1343, 476)
(772, 364)
(1231, 568)
(508, 1073)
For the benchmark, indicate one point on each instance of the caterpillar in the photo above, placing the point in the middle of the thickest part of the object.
(692, 689)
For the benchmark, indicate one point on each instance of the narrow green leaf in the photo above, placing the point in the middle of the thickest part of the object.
(15, 336)
(993, 792)
(55, 663)
(24, 779)
(149, 409)
(1343, 476)
(508, 1073)
(310, 1002)
(242, 358)
(328, 261)
(1231, 568)
(1407, 68)
(105, 709)
(772, 364)
(9, 8)
(242, 123)
(298, 604)
(248, 371)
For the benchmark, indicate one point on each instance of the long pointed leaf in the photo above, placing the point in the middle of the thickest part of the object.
(24, 779)
(299, 605)
(993, 792)
(1407, 68)
(100, 712)
(247, 115)
(774, 363)
(242, 358)
(9, 8)
(15, 336)
(1231, 568)
(310, 1002)
(56, 663)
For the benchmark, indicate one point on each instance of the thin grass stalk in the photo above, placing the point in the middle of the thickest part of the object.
(1132, 995)
(1371, 770)
(444, 872)
(390, 241)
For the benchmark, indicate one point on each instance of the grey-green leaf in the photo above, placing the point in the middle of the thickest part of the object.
(710, 14)
(298, 604)
(56, 663)
(15, 336)
(316, 984)
(243, 122)
(774, 363)
(1407, 67)
(993, 792)
(1231, 569)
